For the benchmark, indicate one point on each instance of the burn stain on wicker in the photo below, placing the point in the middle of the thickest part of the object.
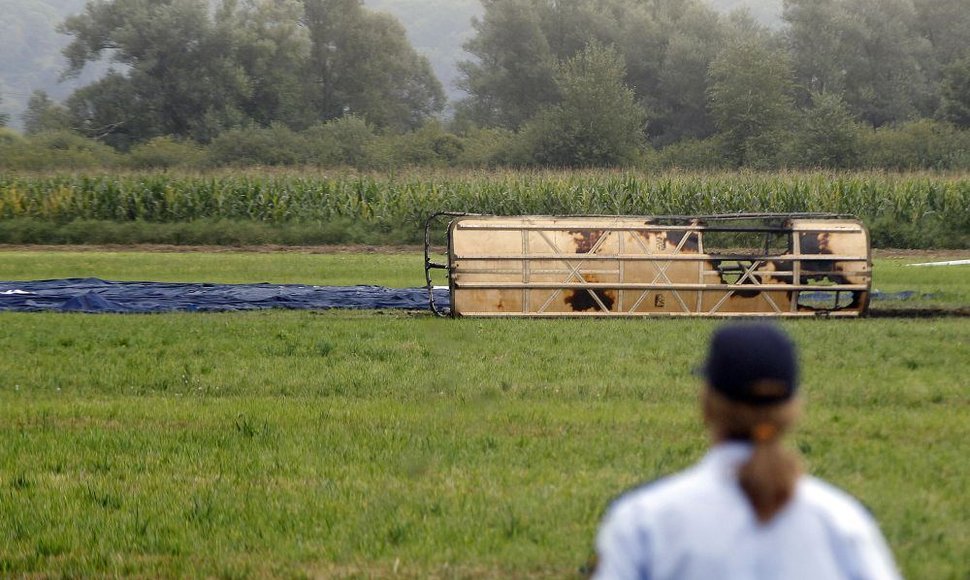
(581, 300)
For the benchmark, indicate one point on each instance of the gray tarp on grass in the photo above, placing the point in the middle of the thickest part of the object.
(95, 295)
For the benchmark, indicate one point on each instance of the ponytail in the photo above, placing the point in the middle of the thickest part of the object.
(769, 476)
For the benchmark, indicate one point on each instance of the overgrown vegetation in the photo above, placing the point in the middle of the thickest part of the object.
(826, 138)
(902, 210)
(605, 83)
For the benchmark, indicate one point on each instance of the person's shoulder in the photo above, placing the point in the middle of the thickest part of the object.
(623, 542)
(837, 505)
(632, 513)
(657, 492)
(852, 526)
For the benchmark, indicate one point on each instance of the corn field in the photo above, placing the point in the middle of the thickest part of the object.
(917, 210)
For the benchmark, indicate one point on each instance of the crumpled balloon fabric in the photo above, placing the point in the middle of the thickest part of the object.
(96, 295)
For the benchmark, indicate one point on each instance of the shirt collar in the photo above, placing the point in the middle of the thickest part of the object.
(727, 456)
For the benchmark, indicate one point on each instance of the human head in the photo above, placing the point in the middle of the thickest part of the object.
(752, 381)
(752, 363)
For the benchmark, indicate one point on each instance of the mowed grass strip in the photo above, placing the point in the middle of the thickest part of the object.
(939, 286)
(395, 270)
(947, 287)
(368, 444)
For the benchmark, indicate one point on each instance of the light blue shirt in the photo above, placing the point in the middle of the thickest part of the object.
(698, 524)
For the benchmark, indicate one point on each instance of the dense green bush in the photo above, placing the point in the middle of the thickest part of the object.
(273, 145)
(693, 155)
(56, 150)
(827, 135)
(430, 146)
(165, 153)
(922, 144)
(9, 137)
(596, 123)
(824, 137)
(345, 141)
(487, 148)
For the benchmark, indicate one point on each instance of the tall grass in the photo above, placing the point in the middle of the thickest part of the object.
(282, 444)
(903, 210)
(355, 444)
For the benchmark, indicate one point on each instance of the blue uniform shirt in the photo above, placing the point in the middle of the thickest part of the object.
(698, 524)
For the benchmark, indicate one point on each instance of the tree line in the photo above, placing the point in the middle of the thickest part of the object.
(844, 83)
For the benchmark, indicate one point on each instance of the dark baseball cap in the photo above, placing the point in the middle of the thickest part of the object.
(752, 363)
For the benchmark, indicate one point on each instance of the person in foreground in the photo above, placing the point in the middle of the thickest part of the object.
(745, 510)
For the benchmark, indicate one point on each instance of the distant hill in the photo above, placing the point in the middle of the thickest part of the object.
(30, 46)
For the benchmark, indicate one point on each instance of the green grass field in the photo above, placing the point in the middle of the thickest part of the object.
(342, 444)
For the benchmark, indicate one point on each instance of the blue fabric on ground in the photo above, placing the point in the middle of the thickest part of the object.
(95, 295)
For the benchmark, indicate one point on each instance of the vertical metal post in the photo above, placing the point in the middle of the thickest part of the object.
(621, 269)
(700, 270)
(796, 270)
(526, 273)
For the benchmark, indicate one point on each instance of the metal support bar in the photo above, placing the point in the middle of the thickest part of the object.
(576, 265)
(663, 257)
(634, 286)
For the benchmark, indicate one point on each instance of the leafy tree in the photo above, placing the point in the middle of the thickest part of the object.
(272, 48)
(181, 77)
(360, 63)
(829, 135)
(598, 121)
(513, 74)
(815, 41)
(679, 103)
(113, 111)
(666, 47)
(750, 98)
(766, 12)
(487, 148)
(867, 50)
(192, 71)
(695, 155)
(437, 29)
(43, 114)
(944, 23)
(956, 92)
(886, 81)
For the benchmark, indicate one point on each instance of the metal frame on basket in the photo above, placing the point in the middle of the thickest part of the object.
(537, 271)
